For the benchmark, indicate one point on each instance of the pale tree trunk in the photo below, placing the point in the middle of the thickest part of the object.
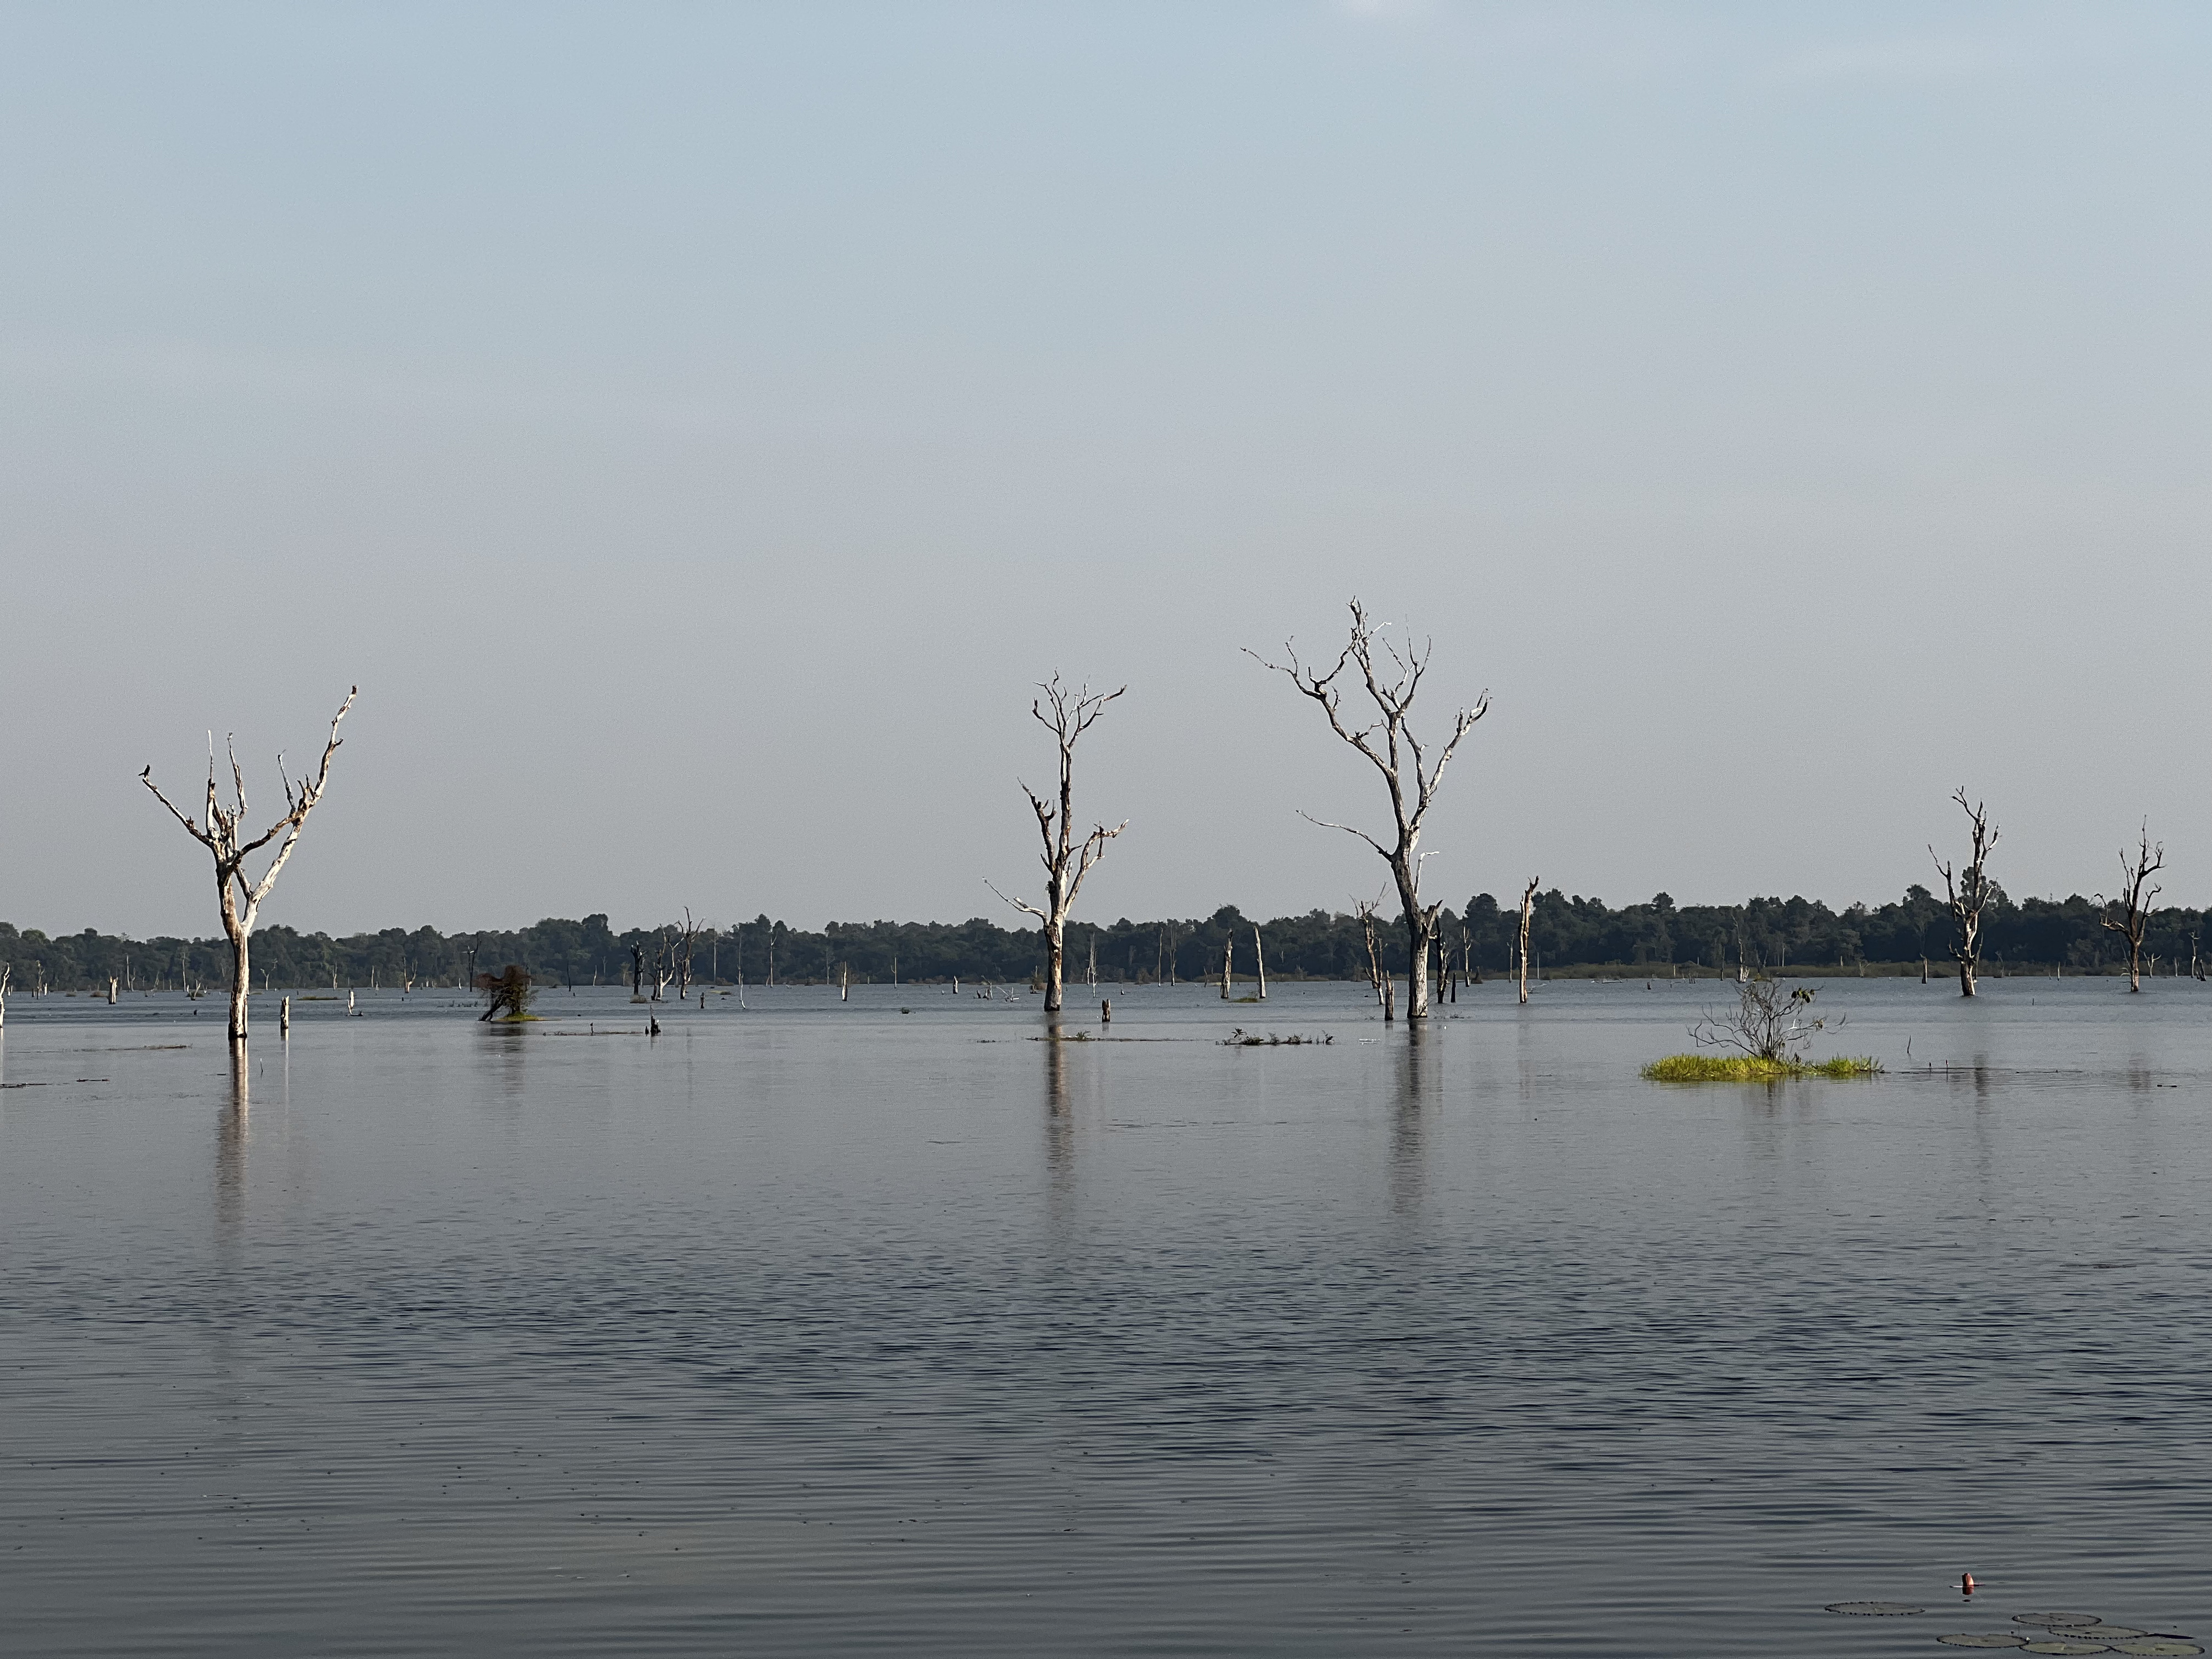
(1375, 977)
(1528, 909)
(240, 942)
(1420, 929)
(1260, 962)
(238, 927)
(1390, 746)
(1055, 961)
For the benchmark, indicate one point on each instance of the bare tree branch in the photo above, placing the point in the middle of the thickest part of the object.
(1019, 904)
(1348, 830)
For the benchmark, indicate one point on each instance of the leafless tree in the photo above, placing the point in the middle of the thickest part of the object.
(1376, 976)
(1766, 1023)
(665, 950)
(6, 969)
(241, 895)
(1969, 892)
(1067, 860)
(1390, 746)
(2128, 914)
(1527, 910)
(684, 946)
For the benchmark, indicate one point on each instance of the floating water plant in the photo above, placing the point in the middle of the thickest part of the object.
(1874, 1610)
(1749, 1068)
(2078, 1633)
(2046, 1632)
(1241, 1038)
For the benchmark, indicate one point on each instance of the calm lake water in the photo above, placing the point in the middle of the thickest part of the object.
(825, 1328)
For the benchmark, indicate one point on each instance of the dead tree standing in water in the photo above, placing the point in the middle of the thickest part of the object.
(1376, 975)
(2133, 905)
(240, 897)
(1065, 860)
(1390, 746)
(686, 947)
(1527, 909)
(1971, 891)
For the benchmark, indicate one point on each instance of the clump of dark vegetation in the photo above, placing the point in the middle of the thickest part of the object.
(507, 993)
(1241, 1038)
(1759, 1040)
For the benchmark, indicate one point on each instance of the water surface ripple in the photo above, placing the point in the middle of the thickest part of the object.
(826, 1327)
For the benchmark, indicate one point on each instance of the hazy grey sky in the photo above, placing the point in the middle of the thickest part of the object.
(695, 428)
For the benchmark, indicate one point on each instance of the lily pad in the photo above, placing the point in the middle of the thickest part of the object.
(1874, 1610)
(2159, 1644)
(1994, 1639)
(2060, 1644)
(2058, 1621)
(2110, 1633)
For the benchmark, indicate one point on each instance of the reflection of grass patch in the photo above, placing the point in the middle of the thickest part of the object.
(1743, 1068)
(516, 1020)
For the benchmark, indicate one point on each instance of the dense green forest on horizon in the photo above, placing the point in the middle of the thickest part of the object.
(1568, 934)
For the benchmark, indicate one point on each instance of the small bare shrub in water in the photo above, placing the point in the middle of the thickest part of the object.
(1759, 1040)
(1767, 1022)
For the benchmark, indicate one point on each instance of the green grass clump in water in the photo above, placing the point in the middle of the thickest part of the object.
(1846, 1065)
(1743, 1068)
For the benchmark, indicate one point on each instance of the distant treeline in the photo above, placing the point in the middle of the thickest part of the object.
(1566, 934)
